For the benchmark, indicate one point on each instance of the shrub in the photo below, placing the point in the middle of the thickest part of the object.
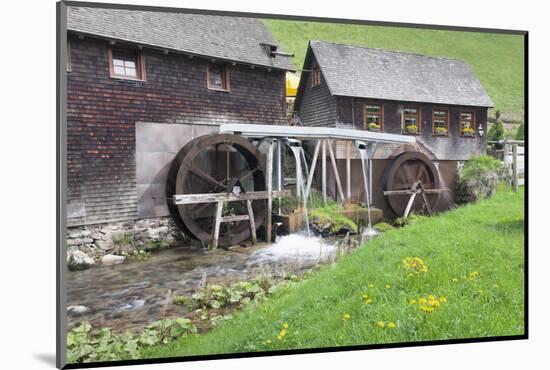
(496, 132)
(478, 179)
(520, 133)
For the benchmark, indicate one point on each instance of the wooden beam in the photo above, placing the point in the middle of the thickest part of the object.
(217, 223)
(335, 169)
(409, 205)
(269, 183)
(324, 171)
(408, 191)
(312, 168)
(251, 220)
(235, 218)
(180, 199)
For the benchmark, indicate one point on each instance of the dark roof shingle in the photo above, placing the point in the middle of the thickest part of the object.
(383, 74)
(222, 37)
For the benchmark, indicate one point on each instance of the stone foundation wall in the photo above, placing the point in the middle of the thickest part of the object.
(124, 236)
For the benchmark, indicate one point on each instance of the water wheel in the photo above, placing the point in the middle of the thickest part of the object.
(216, 163)
(412, 184)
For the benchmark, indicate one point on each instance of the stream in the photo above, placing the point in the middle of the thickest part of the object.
(133, 294)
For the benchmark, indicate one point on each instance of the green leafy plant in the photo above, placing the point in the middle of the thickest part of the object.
(467, 131)
(87, 344)
(411, 129)
(478, 179)
(373, 126)
(441, 131)
(520, 133)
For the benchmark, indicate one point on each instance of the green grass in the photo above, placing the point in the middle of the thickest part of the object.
(485, 238)
(496, 59)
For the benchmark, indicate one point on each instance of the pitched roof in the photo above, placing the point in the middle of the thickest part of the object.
(383, 74)
(222, 37)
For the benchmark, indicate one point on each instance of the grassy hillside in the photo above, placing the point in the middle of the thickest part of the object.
(497, 60)
(471, 286)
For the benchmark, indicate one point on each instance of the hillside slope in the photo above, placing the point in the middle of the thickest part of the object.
(496, 59)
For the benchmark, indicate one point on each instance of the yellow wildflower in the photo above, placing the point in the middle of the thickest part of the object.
(282, 334)
(387, 286)
(442, 299)
(380, 324)
(427, 309)
(422, 301)
(368, 301)
(346, 317)
(268, 341)
(412, 301)
(431, 298)
(391, 325)
(285, 325)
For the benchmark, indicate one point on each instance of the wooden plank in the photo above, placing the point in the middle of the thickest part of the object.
(269, 181)
(409, 205)
(217, 223)
(252, 222)
(313, 166)
(180, 199)
(427, 191)
(324, 171)
(335, 169)
(235, 218)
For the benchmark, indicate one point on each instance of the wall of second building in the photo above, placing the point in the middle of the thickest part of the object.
(102, 113)
(350, 113)
(317, 106)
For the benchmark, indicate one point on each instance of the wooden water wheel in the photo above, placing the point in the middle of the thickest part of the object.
(412, 184)
(219, 163)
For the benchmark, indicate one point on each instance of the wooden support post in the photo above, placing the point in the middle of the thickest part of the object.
(312, 169)
(324, 171)
(348, 171)
(335, 169)
(298, 179)
(218, 221)
(409, 205)
(279, 171)
(515, 167)
(251, 221)
(269, 181)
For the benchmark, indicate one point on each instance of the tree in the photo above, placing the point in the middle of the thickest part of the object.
(520, 133)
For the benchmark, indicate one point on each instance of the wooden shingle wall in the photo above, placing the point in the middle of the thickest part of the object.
(102, 112)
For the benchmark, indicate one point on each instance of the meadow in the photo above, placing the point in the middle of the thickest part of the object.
(453, 276)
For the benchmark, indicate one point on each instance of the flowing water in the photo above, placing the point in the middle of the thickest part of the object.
(298, 152)
(364, 165)
(131, 295)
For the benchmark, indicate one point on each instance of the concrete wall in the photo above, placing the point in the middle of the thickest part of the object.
(156, 146)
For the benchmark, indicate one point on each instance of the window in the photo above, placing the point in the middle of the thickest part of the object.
(440, 122)
(467, 124)
(126, 63)
(217, 77)
(68, 66)
(374, 117)
(316, 77)
(411, 121)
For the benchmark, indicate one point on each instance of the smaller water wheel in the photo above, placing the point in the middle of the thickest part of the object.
(218, 163)
(412, 184)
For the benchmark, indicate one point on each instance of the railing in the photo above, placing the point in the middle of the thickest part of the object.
(513, 155)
